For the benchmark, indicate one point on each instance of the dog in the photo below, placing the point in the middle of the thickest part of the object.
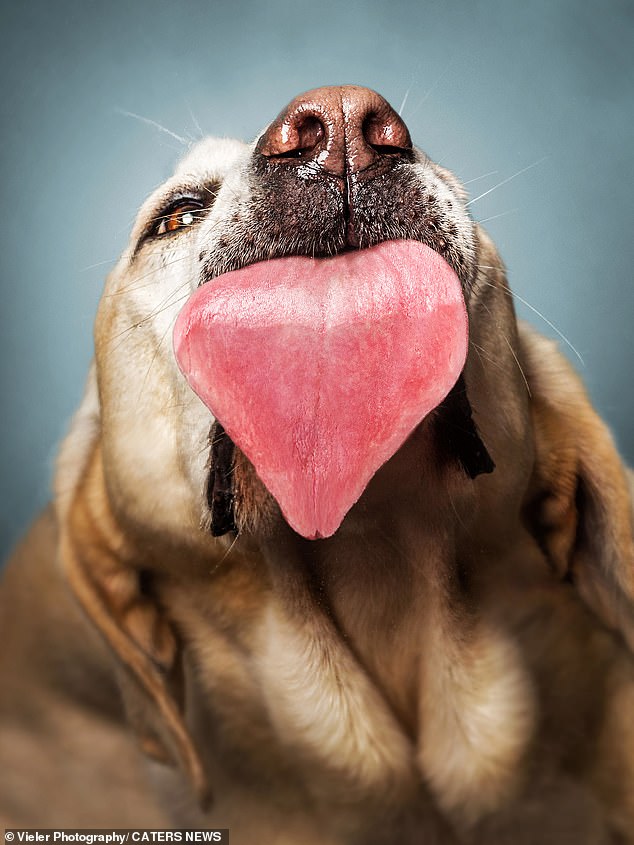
(453, 665)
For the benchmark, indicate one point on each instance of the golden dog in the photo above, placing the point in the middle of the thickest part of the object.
(452, 666)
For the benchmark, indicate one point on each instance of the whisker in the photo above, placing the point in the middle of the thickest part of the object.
(212, 193)
(508, 179)
(506, 340)
(479, 352)
(496, 216)
(552, 325)
(225, 187)
(484, 356)
(96, 264)
(133, 285)
(194, 119)
(163, 305)
(155, 124)
(484, 176)
(413, 77)
(432, 88)
(402, 106)
(166, 302)
(154, 357)
(454, 508)
(122, 336)
(226, 554)
(519, 366)
(513, 293)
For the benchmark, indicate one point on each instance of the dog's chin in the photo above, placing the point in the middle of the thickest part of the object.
(258, 517)
(248, 509)
(444, 449)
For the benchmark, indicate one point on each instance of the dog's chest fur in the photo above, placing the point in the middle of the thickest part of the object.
(282, 680)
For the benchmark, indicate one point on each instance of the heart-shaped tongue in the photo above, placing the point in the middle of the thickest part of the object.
(319, 369)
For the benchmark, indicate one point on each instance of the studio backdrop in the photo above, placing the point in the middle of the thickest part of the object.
(530, 103)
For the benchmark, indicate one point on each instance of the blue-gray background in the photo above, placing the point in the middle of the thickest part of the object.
(491, 86)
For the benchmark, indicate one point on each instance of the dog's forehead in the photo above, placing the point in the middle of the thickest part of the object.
(211, 158)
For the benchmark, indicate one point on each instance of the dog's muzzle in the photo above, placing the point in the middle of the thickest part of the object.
(334, 172)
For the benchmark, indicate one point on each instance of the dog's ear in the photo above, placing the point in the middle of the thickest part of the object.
(579, 506)
(102, 570)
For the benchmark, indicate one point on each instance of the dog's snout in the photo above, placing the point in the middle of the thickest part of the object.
(344, 130)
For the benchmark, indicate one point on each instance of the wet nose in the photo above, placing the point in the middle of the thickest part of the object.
(343, 129)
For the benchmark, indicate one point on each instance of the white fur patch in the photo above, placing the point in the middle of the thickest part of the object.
(478, 713)
(320, 702)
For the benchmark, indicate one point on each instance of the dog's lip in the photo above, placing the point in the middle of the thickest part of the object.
(210, 273)
(215, 273)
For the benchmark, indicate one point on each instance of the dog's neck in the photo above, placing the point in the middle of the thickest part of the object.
(414, 629)
(401, 544)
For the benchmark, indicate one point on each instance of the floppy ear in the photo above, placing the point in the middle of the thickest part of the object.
(100, 568)
(579, 506)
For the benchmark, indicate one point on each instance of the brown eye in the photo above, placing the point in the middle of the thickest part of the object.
(179, 217)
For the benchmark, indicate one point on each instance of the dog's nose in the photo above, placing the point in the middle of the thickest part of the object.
(343, 129)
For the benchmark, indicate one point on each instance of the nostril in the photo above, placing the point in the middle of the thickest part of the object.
(311, 133)
(387, 134)
(299, 137)
(387, 150)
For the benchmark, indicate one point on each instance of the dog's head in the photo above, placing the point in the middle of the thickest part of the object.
(514, 450)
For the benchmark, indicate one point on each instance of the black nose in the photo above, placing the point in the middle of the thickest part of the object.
(343, 129)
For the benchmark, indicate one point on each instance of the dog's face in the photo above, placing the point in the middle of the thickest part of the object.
(336, 171)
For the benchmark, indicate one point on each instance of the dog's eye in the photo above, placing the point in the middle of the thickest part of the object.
(179, 217)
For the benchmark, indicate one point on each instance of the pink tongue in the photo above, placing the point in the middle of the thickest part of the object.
(319, 369)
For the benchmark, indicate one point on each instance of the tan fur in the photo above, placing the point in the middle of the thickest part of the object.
(451, 667)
